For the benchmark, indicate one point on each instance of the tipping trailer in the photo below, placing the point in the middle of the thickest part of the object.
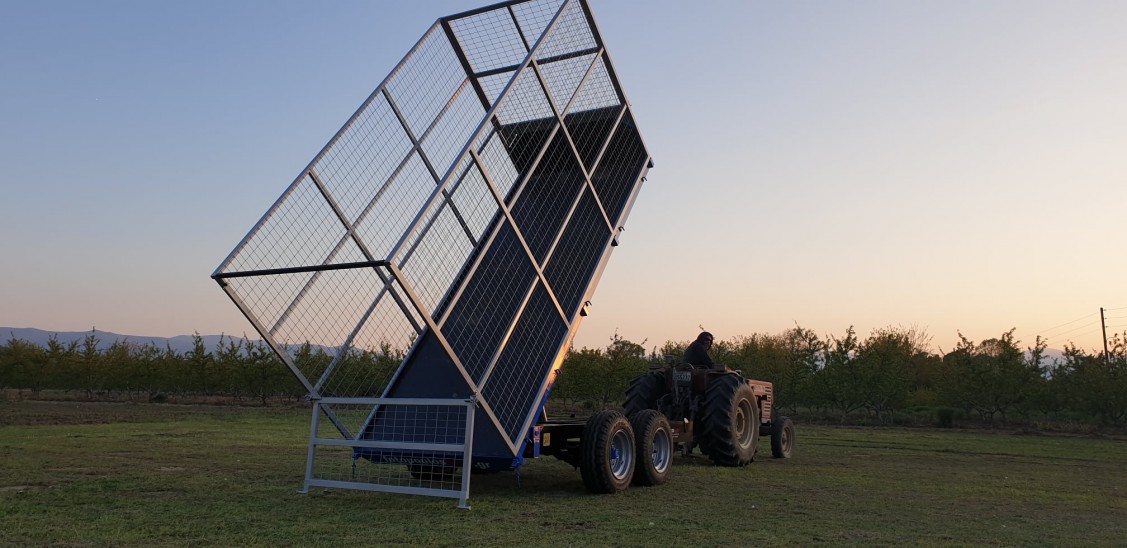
(424, 276)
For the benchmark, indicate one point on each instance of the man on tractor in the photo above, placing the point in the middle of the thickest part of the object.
(696, 354)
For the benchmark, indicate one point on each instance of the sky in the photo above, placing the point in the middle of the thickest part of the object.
(954, 167)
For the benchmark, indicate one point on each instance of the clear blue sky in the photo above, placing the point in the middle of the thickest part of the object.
(954, 166)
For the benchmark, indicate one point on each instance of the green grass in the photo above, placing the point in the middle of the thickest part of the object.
(195, 475)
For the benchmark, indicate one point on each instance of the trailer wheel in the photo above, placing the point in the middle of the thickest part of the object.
(607, 449)
(643, 392)
(653, 440)
(782, 438)
(731, 421)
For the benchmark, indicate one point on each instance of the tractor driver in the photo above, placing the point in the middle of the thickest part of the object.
(696, 354)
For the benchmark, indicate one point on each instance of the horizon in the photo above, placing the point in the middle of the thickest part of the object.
(954, 168)
(650, 346)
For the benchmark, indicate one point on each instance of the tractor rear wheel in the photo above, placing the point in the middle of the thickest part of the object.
(782, 438)
(653, 440)
(607, 453)
(643, 392)
(731, 421)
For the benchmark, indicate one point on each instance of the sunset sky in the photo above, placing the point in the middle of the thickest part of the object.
(949, 166)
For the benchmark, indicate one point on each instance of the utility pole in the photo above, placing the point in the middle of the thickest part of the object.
(1103, 326)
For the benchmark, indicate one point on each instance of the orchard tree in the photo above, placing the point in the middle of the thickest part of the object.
(1095, 384)
(840, 384)
(993, 377)
(804, 350)
(60, 363)
(21, 366)
(200, 373)
(624, 361)
(91, 374)
(885, 362)
(579, 375)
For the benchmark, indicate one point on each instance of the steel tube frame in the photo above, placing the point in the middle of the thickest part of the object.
(465, 448)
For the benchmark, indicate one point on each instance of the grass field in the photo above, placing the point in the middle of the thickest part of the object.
(120, 474)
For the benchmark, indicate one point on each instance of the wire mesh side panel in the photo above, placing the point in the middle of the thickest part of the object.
(425, 455)
(513, 382)
(352, 205)
(375, 349)
(442, 243)
(315, 317)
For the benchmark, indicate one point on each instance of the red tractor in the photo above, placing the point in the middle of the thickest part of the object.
(674, 408)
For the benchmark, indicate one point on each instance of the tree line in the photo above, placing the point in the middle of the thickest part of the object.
(882, 376)
(236, 368)
(887, 374)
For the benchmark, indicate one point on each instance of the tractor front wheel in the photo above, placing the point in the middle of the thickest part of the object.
(607, 451)
(782, 438)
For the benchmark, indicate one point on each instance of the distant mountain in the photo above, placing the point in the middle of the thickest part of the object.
(1052, 355)
(179, 344)
(184, 343)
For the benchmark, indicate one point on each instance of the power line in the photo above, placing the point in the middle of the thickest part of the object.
(1087, 325)
(1072, 338)
(1066, 323)
(1078, 335)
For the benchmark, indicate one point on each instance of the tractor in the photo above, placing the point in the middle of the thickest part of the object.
(679, 407)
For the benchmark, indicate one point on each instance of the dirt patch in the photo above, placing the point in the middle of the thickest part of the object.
(21, 488)
(39, 412)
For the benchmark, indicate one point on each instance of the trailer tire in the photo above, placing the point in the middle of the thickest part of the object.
(782, 438)
(653, 444)
(731, 421)
(607, 453)
(643, 392)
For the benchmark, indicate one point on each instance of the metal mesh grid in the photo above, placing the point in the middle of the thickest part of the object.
(355, 332)
(589, 130)
(304, 216)
(392, 465)
(377, 349)
(426, 81)
(574, 259)
(453, 131)
(534, 16)
(570, 34)
(332, 307)
(492, 85)
(498, 162)
(490, 40)
(393, 213)
(593, 114)
(598, 91)
(338, 465)
(620, 168)
(489, 303)
(356, 167)
(439, 248)
(438, 257)
(526, 101)
(545, 201)
(562, 78)
(474, 200)
(512, 387)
